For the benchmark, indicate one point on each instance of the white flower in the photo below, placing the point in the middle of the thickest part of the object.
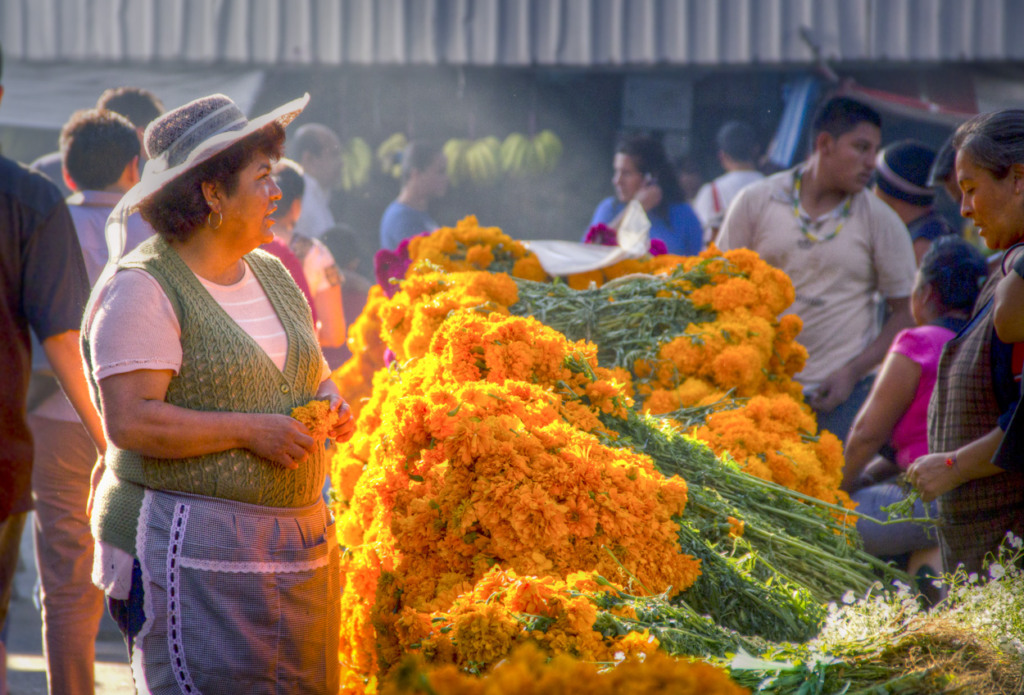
(972, 578)
(849, 598)
(996, 571)
(1014, 540)
(620, 656)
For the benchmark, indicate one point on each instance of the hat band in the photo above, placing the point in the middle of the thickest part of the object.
(178, 150)
(897, 181)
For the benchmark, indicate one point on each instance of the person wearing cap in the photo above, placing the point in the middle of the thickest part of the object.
(100, 152)
(841, 247)
(902, 182)
(737, 153)
(215, 549)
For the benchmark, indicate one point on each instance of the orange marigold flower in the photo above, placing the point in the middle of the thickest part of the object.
(317, 416)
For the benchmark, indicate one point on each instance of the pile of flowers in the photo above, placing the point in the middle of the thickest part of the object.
(355, 378)
(512, 480)
(705, 347)
(718, 346)
(529, 671)
(489, 451)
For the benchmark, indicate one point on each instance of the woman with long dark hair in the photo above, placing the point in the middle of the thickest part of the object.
(643, 173)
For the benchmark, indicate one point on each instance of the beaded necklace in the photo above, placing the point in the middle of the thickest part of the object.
(809, 238)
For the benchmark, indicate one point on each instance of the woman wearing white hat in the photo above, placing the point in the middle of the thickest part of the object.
(214, 546)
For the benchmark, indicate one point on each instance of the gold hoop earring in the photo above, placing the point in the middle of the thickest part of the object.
(209, 220)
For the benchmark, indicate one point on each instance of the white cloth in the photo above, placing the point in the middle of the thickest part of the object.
(726, 186)
(560, 258)
(316, 217)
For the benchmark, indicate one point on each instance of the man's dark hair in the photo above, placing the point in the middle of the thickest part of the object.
(96, 146)
(738, 140)
(840, 115)
(179, 209)
(418, 155)
(309, 137)
(140, 106)
(288, 176)
(944, 164)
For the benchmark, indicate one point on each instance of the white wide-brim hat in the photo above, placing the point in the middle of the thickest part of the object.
(181, 140)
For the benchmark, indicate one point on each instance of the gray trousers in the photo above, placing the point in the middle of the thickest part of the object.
(72, 606)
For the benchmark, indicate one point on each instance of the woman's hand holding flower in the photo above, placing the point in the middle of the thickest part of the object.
(279, 438)
(933, 476)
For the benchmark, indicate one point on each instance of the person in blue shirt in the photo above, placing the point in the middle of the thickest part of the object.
(424, 178)
(642, 172)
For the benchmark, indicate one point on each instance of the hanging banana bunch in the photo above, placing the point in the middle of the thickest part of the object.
(483, 161)
(356, 163)
(388, 154)
(522, 155)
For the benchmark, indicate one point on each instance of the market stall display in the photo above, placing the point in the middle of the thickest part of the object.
(603, 474)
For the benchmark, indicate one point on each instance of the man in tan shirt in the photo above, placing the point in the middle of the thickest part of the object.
(842, 247)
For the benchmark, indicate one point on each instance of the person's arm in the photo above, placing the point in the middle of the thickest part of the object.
(837, 386)
(325, 281)
(938, 473)
(62, 351)
(331, 313)
(1008, 308)
(890, 397)
(137, 418)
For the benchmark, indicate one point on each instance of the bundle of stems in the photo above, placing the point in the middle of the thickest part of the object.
(787, 536)
(791, 536)
(628, 318)
(679, 629)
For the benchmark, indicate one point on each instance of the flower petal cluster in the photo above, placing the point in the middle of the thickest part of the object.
(487, 452)
(355, 378)
(317, 416)
(773, 438)
(469, 246)
(529, 671)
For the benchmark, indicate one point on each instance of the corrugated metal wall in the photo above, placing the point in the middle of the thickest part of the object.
(509, 32)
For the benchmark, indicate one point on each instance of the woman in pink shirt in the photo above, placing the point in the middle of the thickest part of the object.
(890, 431)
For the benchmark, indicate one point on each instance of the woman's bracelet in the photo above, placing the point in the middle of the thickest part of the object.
(952, 462)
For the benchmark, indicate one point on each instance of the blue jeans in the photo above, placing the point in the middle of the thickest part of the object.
(892, 539)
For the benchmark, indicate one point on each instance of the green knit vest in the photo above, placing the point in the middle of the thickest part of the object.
(223, 369)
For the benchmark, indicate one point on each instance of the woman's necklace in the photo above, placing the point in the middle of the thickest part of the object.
(810, 238)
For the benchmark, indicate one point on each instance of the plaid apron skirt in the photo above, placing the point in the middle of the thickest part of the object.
(238, 598)
(973, 518)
